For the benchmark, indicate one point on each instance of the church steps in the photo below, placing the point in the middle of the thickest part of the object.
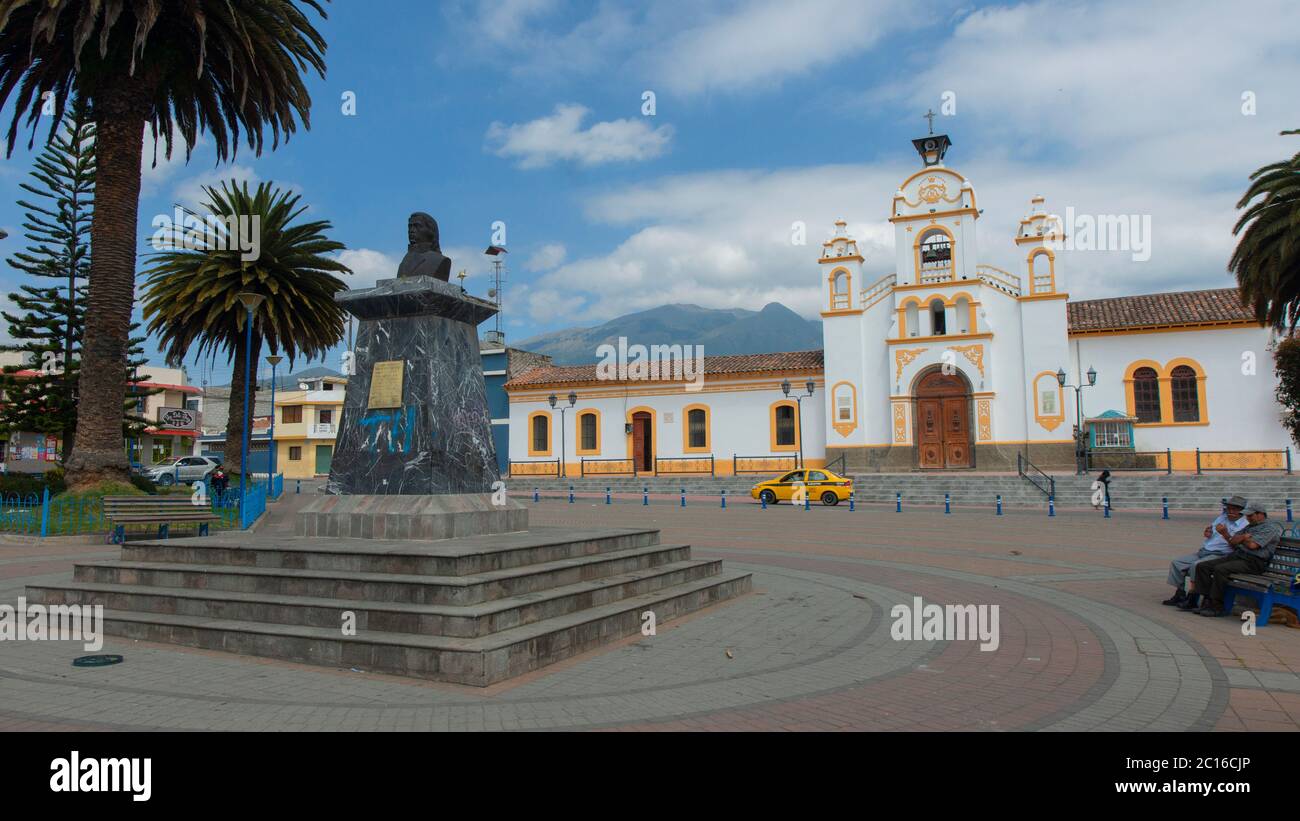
(478, 661)
(348, 585)
(467, 621)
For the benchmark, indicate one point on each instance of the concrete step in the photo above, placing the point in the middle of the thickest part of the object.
(465, 621)
(478, 661)
(352, 586)
(446, 557)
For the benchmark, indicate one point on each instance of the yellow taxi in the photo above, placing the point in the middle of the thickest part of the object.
(818, 483)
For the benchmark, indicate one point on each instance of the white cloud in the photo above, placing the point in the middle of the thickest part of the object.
(367, 266)
(189, 191)
(560, 136)
(546, 257)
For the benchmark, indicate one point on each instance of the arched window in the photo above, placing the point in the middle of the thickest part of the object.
(912, 319)
(1182, 384)
(840, 290)
(783, 420)
(936, 251)
(1146, 395)
(962, 314)
(588, 433)
(697, 429)
(938, 318)
(540, 435)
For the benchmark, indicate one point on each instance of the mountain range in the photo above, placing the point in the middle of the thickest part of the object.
(720, 330)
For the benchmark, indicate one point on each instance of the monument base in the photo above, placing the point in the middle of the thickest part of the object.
(444, 516)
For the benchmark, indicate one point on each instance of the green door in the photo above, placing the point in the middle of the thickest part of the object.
(323, 454)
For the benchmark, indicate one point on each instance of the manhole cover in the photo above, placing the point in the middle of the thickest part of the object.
(96, 661)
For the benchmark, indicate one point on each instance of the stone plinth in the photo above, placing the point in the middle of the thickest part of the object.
(426, 427)
(444, 516)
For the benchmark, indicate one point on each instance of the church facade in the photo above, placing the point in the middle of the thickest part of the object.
(944, 364)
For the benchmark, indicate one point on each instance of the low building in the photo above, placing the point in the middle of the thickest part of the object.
(502, 363)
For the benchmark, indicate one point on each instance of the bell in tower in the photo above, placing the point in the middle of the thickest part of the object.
(933, 146)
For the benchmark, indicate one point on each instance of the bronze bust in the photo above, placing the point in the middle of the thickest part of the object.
(423, 255)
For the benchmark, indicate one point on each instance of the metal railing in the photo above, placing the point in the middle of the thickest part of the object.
(764, 464)
(33, 514)
(1149, 461)
(837, 465)
(1035, 477)
(1234, 460)
(606, 467)
(549, 467)
(684, 464)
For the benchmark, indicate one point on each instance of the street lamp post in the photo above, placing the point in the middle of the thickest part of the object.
(1080, 450)
(251, 303)
(798, 400)
(274, 359)
(573, 400)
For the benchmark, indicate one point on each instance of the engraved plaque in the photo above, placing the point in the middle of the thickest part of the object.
(386, 384)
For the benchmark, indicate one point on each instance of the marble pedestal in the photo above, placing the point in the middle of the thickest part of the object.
(434, 435)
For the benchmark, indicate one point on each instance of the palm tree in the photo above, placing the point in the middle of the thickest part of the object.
(1267, 258)
(190, 294)
(215, 66)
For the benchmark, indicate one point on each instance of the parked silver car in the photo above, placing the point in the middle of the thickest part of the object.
(182, 468)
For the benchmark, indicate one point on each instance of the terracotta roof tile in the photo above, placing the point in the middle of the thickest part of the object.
(713, 366)
(1154, 310)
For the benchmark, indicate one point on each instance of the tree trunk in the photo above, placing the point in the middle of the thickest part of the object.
(100, 452)
(235, 411)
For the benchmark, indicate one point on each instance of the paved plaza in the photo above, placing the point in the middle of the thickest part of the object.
(1084, 645)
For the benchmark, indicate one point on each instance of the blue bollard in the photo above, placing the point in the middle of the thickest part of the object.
(898, 503)
(537, 497)
(724, 498)
(683, 497)
(1164, 507)
(947, 503)
(999, 504)
(850, 501)
(1051, 505)
(297, 488)
(805, 499)
(645, 496)
(1288, 511)
(606, 495)
(1105, 506)
(570, 494)
(762, 500)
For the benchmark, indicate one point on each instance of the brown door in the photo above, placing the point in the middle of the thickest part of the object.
(930, 441)
(642, 444)
(943, 422)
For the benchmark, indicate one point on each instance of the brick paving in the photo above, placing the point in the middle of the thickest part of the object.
(1084, 642)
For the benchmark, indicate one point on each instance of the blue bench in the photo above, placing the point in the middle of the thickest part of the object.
(1278, 584)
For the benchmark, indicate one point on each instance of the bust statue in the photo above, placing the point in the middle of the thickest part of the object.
(423, 255)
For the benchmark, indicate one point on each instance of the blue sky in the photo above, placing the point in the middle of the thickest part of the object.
(767, 112)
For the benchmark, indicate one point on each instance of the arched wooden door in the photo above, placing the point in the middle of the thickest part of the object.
(643, 441)
(943, 437)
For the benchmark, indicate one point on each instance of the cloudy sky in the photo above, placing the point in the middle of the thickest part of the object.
(766, 113)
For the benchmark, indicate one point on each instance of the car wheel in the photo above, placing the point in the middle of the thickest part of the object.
(830, 499)
(768, 497)
(166, 479)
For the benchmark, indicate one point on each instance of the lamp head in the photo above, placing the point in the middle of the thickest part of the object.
(573, 398)
(810, 385)
(250, 300)
(1060, 377)
(785, 387)
(274, 359)
(1092, 376)
(551, 399)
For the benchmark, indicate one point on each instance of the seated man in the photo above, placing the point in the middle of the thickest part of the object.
(1252, 549)
(1226, 525)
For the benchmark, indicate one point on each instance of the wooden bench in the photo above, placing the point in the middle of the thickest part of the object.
(163, 511)
(1279, 583)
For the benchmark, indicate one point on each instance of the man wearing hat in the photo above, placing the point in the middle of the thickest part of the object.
(1225, 526)
(1252, 549)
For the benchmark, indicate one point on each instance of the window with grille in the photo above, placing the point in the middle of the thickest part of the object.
(845, 405)
(1187, 404)
(295, 454)
(1146, 395)
(291, 413)
(1112, 435)
(541, 433)
(785, 425)
(697, 433)
(587, 422)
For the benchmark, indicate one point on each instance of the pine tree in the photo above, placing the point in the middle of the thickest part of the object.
(46, 326)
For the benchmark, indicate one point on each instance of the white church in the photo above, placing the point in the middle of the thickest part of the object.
(944, 364)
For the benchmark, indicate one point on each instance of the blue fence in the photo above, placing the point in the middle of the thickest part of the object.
(34, 514)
